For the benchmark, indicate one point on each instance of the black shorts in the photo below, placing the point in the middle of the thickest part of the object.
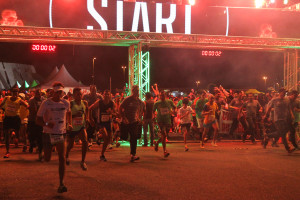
(11, 123)
(106, 125)
(73, 134)
(187, 126)
(163, 126)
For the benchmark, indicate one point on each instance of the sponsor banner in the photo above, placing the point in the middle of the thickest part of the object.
(226, 121)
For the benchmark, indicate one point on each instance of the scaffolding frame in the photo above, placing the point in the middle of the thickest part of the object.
(139, 61)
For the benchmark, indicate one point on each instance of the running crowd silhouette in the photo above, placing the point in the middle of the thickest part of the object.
(52, 120)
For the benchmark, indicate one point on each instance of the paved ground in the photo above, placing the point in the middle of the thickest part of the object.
(232, 170)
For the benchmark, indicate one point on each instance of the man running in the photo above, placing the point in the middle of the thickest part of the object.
(209, 113)
(106, 109)
(185, 115)
(237, 116)
(79, 111)
(53, 114)
(12, 121)
(35, 132)
(282, 112)
(252, 107)
(91, 98)
(130, 110)
(199, 109)
(295, 107)
(164, 107)
(148, 119)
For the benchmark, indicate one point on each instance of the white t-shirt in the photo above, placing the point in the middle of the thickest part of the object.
(188, 118)
(55, 112)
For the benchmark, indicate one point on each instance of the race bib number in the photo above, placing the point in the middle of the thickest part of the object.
(105, 118)
(55, 139)
(78, 121)
(164, 111)
(11, 108)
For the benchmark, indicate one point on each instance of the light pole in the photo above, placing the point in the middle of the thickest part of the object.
(93, 76)
(124, 68)
(265, 79)
(197, 82)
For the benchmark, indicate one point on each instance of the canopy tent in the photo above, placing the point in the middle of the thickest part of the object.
(66, 79)
(51, 75)
(253, 91)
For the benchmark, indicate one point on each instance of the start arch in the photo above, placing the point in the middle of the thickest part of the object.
(138, 44)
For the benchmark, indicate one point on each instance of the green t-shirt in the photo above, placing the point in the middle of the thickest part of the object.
(163, 109)
(199, 107)
(179, 104)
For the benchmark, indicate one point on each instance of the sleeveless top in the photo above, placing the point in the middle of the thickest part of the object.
(12, 108)
(104, 116)
(78, 117)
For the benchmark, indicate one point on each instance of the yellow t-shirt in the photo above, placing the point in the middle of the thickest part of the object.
(12, 108)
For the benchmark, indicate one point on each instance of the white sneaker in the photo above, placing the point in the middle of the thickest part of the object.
(214, 144)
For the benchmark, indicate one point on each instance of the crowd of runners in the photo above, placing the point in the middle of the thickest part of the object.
(51, 120)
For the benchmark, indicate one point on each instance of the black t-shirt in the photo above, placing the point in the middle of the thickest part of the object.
(149, 109)
(104, 115)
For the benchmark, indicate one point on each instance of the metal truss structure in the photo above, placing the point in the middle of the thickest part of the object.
(139, 60)
(292, 70)
(139, 68)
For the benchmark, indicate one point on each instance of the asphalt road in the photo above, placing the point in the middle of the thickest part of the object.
(232, 170)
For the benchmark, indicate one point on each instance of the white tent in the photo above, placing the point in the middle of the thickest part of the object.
(66, 79)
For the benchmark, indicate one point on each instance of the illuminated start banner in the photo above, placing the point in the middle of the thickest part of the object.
(151, 17)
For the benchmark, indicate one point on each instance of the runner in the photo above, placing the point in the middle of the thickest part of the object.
(148, 120)
(209, 113)
(53, 114)
(79, 110)
(295, 107)
(237, 116)
(282, 112)
(12, 121)
(106, 109)
(35, 132)
(91, 98)
(185, 115)
(199, 109)
(130, 110)
(252, 107)
(164, 108)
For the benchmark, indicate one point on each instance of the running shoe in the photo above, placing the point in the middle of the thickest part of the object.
(24, 149)
(186, 148)
(83, 166)
(118, 144)
(110, 146)
(6, 155)
(291, 150)
(166, 154)
(30, 149)
(67, 161)
(62, 189)
(202, 146)
(214, 144)
(155, 145)
(134, 158)
(102, 158)
(90, 146)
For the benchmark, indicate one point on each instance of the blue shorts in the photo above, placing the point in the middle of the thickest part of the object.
(208, 125)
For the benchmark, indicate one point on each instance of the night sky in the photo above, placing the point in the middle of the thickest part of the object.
(170, 68)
